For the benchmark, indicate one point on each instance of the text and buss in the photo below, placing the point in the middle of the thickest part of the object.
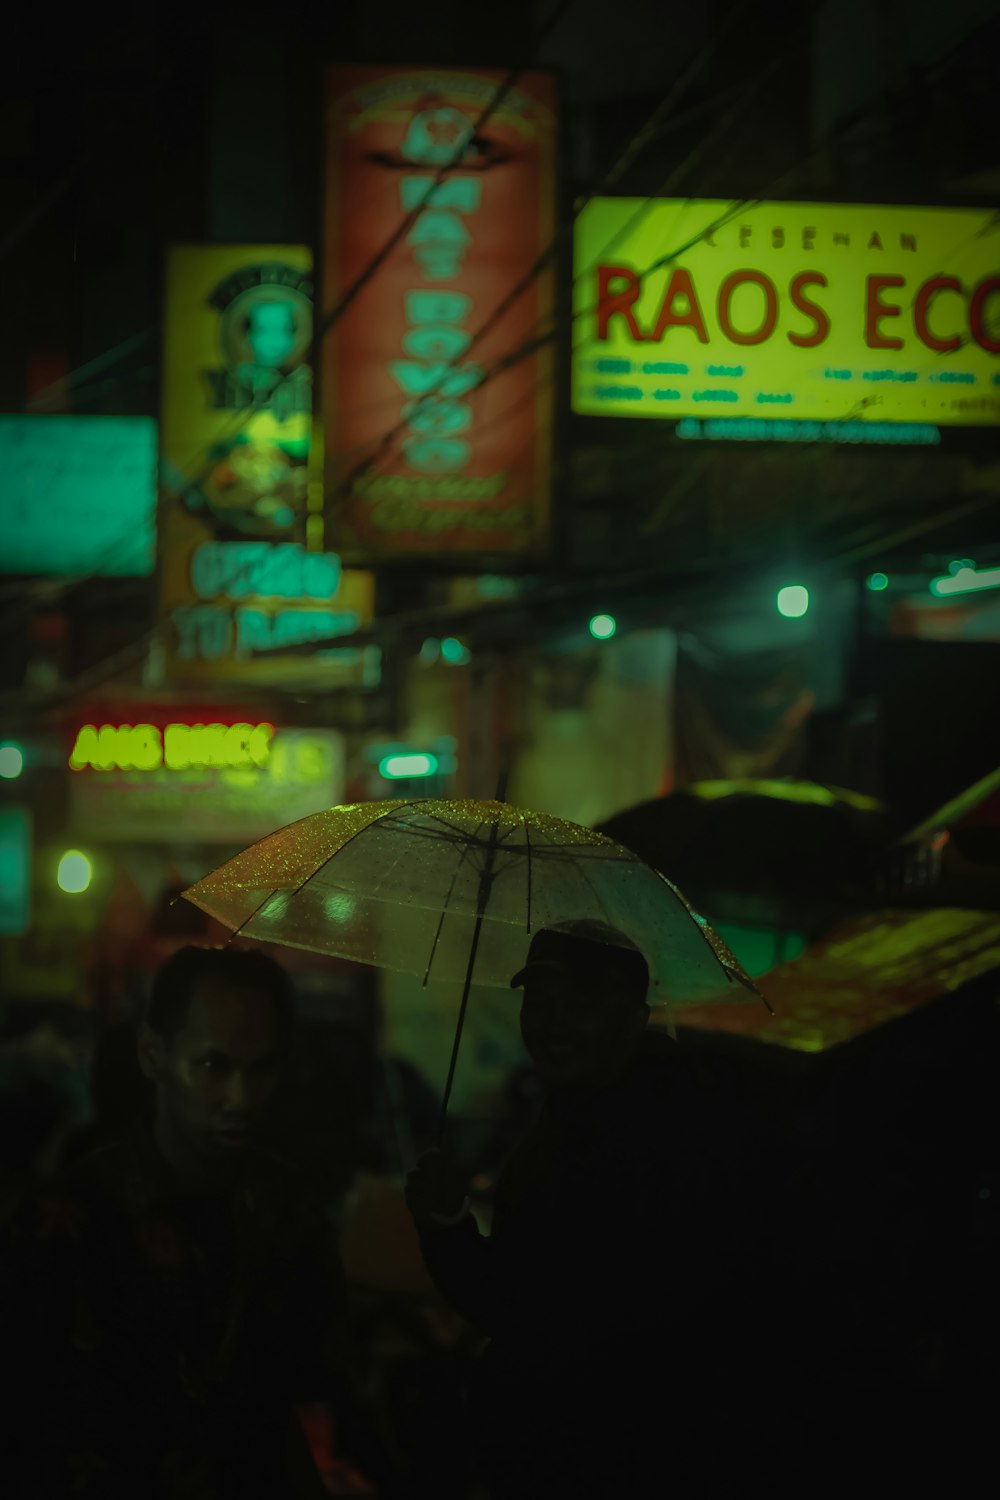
(468, 469)
(826, 313)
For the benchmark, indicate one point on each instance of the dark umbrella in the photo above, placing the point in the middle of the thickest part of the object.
(768, 853)
(952, 858)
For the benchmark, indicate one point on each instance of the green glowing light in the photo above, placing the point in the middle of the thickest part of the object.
(603, 627)
(877, 582)
(792, 601)
(11, 761)
(338, 906)
(453, 652)
(74, 873)
(402, 767)
(276, 907)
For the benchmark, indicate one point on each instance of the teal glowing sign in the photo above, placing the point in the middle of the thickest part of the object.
(78, 495)
(964, 578)
(403, 767)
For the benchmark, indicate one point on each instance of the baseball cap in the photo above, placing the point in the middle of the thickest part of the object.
(590, 952)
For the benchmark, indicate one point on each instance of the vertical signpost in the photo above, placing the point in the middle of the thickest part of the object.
(467, 470)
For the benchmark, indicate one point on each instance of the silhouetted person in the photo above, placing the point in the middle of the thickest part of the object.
(616, 1232)
(180, 1289)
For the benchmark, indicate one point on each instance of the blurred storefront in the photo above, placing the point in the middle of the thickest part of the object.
(153, 793)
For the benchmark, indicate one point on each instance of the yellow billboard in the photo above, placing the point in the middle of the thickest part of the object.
(820, 313)
(246, 592)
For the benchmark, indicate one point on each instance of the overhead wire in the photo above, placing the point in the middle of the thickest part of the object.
(529, 346)
(137, 648)
(536, 341)
(646, 132)
(539, 337)
(71, 383)
(329, 319)
(134, 650)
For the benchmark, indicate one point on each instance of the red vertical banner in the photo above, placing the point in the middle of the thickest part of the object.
(466, 473)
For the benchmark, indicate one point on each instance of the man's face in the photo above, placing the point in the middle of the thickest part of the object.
(575, 1034)
(218, 1071)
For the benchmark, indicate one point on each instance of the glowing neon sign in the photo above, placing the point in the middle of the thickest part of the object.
(966, 580)
(177, 747)
(802, 321)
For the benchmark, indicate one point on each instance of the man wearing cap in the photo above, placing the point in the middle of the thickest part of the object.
(594, 1279)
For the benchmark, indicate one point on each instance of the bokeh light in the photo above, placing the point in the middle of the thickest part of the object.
(74, 873)
(11, 761)
(453, 652)
(792, 601)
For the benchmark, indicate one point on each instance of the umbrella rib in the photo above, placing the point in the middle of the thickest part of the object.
(380, 820)
(730, 973)
(444, 910)
(324, 862)
(597, 896)
(463, 836)
(404, 828)
(246, 920)
(516, 828)
(576, 852)
(460, 837)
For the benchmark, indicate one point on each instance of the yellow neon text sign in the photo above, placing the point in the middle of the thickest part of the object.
(178, 747)
(804, 312)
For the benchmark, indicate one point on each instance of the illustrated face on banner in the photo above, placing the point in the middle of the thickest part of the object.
(467, 471)
(264, 334)
(271, 333)
(257, 484)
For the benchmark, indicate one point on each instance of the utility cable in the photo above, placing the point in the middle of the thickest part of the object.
(378, 259)
(529, 346)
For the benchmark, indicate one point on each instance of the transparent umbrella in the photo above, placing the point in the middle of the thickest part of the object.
(451, 890)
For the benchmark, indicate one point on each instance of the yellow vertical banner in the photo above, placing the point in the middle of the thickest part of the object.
(246, 592)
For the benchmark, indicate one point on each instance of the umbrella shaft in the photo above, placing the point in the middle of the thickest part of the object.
(485, 882)
(461, 1021)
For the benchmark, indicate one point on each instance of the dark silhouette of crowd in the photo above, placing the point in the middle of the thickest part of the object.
(696, 1266)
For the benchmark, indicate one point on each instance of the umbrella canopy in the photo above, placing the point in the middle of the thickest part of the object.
(419, 886)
